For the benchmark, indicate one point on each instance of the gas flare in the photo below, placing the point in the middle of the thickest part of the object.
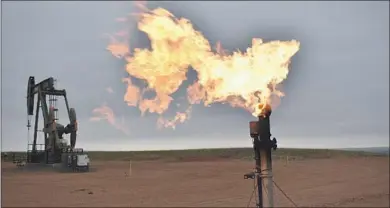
(240, 79)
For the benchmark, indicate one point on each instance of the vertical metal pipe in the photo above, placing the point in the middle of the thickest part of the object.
(256, 145)
(266, 172)
(260, 131)
(266, 157)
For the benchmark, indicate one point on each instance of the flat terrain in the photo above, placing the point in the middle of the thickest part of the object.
(209, 182)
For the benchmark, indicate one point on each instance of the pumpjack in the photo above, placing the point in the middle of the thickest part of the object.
(56, 149)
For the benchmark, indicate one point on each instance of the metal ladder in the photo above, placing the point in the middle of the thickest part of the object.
(53, 102)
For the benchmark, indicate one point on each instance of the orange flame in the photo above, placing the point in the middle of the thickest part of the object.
(240, 79)
(106, 113)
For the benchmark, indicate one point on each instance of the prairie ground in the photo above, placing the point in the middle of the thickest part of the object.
(348, 181)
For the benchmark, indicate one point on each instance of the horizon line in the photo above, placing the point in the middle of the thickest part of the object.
(217, 148)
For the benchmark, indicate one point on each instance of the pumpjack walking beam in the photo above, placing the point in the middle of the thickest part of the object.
(262, 146)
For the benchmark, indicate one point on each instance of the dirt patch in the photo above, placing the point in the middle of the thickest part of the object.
(316, 182)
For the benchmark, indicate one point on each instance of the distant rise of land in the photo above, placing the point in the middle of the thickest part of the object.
(378, 150)
(216, 154)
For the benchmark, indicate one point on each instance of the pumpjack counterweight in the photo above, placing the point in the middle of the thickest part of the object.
(56, 149)
(260, 132)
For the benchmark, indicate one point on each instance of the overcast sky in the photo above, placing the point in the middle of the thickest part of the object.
(337, 93)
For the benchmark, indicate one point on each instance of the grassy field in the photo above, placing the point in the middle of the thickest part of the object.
(212, 154)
